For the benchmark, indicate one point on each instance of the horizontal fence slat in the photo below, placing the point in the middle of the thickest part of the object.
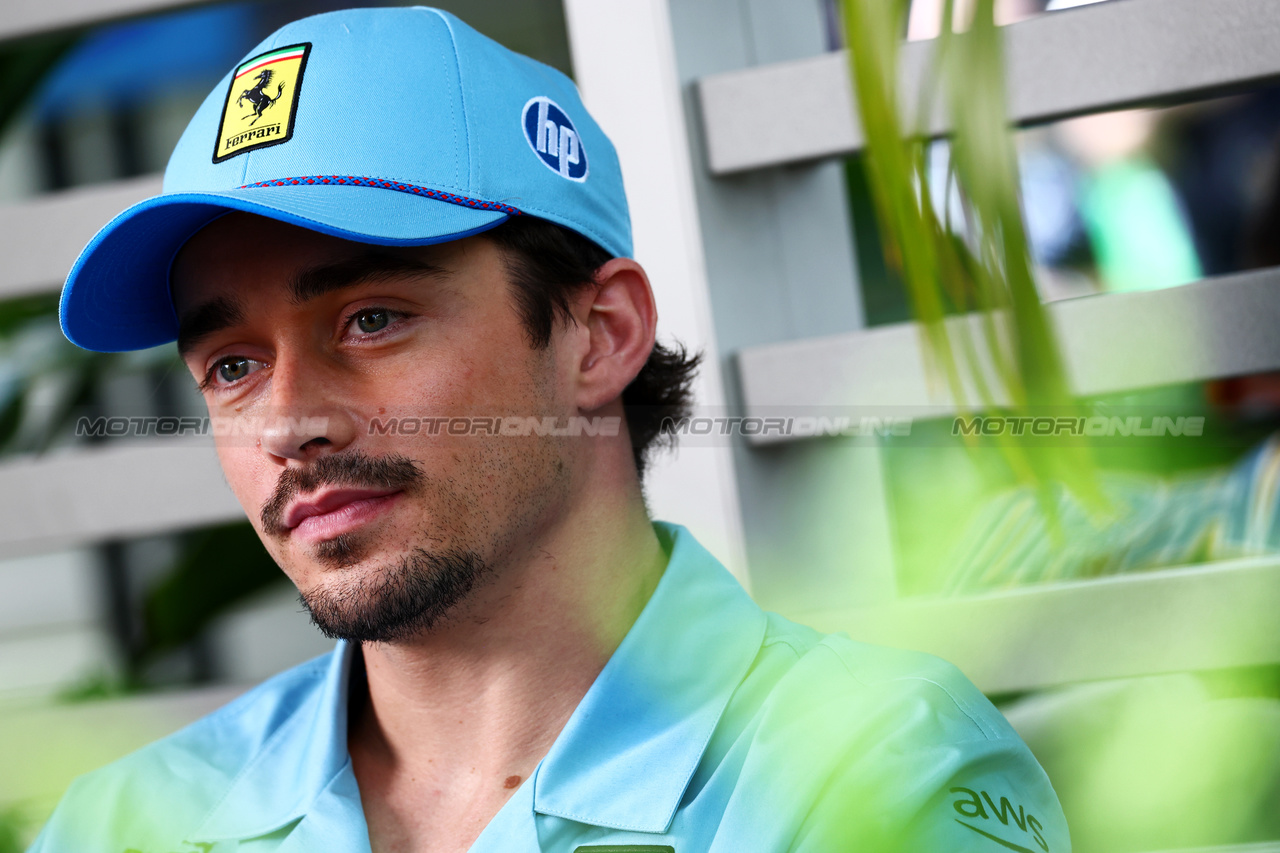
(1175, 620)
(38, 664)
(24, 18)
(48, 591)
(40, 239)
(1085, 60)
(1213, 328)
(80, 496)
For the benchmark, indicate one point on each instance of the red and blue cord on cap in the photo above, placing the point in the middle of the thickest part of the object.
(381, 183)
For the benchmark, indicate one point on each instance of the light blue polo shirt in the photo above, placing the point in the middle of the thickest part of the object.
(714, 728)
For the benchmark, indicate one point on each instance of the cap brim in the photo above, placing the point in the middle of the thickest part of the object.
(117, 295)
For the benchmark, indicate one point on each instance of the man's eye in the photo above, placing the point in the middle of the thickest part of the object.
(370, 320)
(234, 368)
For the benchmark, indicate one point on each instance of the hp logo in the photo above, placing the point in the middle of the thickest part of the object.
(554, 139)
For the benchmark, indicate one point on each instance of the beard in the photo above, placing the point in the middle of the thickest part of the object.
(387, 604)
(404, 600)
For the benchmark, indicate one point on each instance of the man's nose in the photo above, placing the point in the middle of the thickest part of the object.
(307, 418)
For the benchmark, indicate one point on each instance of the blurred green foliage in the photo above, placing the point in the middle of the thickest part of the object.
(981, 264)
(1160, 763)
(13, 829)
(29, 354)
(1139, 765)
(36, 362)
(46, 382)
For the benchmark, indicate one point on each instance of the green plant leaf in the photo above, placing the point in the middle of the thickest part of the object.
(981, 265)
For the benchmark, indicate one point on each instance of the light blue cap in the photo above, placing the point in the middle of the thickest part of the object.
(399, 126)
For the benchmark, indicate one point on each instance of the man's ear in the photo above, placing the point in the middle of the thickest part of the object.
(620, 319)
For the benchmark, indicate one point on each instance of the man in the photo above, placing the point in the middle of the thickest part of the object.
(392, 285)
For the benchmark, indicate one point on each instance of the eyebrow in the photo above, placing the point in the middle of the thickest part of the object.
(223, 312)
(369, 268)
(202, 321)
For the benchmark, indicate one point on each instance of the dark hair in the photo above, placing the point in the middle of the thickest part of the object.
(547, 263)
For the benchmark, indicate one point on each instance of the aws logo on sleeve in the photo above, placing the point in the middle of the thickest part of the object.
(1002, 824)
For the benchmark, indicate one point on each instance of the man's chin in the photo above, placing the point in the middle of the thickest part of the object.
(392, 599)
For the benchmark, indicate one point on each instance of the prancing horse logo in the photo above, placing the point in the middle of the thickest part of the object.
(259, 82)
(258, 96)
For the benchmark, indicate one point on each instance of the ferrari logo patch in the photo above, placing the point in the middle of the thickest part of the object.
(261, 101)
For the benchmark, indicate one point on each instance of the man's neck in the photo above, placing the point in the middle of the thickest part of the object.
(454, 721)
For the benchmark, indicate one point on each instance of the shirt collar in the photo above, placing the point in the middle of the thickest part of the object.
(632, 745)
(624, 758)
(296, 762)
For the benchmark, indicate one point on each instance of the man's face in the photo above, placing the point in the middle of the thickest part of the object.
(383, 533)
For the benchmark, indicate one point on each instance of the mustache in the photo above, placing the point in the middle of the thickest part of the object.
(351, 469)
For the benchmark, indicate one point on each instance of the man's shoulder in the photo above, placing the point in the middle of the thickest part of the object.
(847, 672)
(187, 771)
(899, 738)
(222, 741)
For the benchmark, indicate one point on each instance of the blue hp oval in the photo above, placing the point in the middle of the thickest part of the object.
(554, 138)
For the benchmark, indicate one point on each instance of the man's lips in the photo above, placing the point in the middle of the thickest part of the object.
(332, 513)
